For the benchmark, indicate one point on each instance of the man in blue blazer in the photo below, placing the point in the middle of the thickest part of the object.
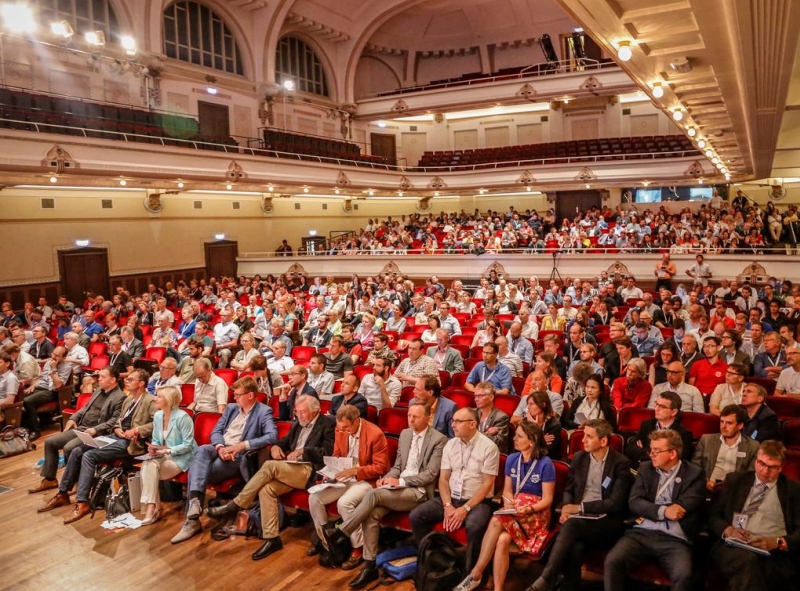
(245, 425)
(429, 390)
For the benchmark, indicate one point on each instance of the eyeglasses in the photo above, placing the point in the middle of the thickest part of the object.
(655, 452)
(732, 373)
(766, 466)
(454, 421)
(676, 371)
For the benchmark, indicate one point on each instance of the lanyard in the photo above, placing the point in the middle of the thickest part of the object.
(521, 483)
(668, 481)
(774, 362)
(483, 374)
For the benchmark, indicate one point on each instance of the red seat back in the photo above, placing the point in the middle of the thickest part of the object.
(700, 423)
(393, 420)
(229, 376)
(187, 394)
(630, 418)
(204, 424)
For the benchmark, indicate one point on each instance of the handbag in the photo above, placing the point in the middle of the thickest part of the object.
(14, 441)
(117, 502)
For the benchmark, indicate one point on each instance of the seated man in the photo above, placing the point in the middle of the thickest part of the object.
(98, 417)
(55, 374)
(277, 332)
(762, 422)
(337, 361)
(245, 425)
(667, 411)
(309, 440)
(691, 399)
(667, 499)
(226, 337)
(210, 390)
(41, 347)
(470, 462)
(416, 365)
(349, 395)
(760, 508)
(789, 378)
(165, 376)
(132, 430)
(364, 442)
(492, 421)
(25, 367)
(322, 381)
(319, 336)
(490, 370)
(280, 361)
(772, 360)
(446, 358)
(429, 390)
(415, 472)
(599, 483)
(632, 389)
(130, 344)
(298, 382)
(381, 388)
(380, 350)
(730, 451)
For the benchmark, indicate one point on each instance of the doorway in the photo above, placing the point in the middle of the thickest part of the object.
(83, 270)
(568, 202)
(214, 119)
(385, 146)
(221, 258)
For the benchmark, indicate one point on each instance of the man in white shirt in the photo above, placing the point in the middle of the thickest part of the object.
(691, 398)
(700, 271)
(448, 322)
(629, 291)
(226, 337)
(789, 379)
(77, 356)
(319, 379)
(518, 344)
(280, 361)
(380, 388)
(210, 390)
(568, 311)
(530, 330)
(511, 360)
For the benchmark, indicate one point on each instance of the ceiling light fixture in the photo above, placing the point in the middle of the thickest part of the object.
(180, 185)
(305, 189)
(624, 51)
(701, 143)
(219, 236)
(288, 85)
(53, 179)
(658, 90)
(229, 186)
(123, 182)
(691, 132)
(709, 152)
(82, 243)
(270, 188)
(677, 114)
(336, 191)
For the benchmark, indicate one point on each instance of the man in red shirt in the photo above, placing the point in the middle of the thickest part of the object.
(721, 315)
(706, 374)
(632, 389)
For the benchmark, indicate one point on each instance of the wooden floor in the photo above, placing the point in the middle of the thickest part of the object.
(38, 552)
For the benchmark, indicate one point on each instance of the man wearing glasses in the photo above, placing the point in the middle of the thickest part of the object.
(789, 378)
(470, 462)
(731, 392)
(762, 422)
(244, 426)
(490, 370)
(667, 499)
(667, 409)
(134, 427)
(298, 382)
(706, 374)
(759, 508)
(691, 399)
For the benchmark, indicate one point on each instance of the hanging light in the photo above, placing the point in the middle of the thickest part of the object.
(624, 51)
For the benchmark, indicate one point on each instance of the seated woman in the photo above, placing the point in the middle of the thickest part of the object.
(397, 323)
(546, 362)
(365, 333)
(352, 346)
(529, 488)
(666, 353)
(594, 404)
(540, 411)
(434, 324)
(246, 354)
(171, 449)
(488, 334)
(552, 321)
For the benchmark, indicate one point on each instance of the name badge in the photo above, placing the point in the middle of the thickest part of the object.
(754, 435)
(741, 454)
(606, 482)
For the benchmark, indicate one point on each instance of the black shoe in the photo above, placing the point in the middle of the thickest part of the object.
(229, 508)
(34, 435)
(314, 550)
(269, 546)
(339, 545)
(367, 575)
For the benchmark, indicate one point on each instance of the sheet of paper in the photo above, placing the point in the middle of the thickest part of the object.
(322, 486)
(587, 515)
(506, 512)
(334, 465)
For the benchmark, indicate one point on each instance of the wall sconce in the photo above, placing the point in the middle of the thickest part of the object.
(96, 38)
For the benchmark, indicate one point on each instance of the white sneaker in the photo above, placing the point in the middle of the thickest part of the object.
(468, 584)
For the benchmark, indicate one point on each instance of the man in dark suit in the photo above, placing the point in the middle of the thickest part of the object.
(244, 426)
(298, 381)
(309, 440)
(97, 417)
(130, 344)
(349, 395)
(762, 509)
(730, 451)
(667, 410)
(762, 422)
(415, 473)
(429, 390)
(667, 500)
(599, 483)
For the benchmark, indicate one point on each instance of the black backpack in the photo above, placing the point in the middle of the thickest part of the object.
(101, 485)
(440, 563)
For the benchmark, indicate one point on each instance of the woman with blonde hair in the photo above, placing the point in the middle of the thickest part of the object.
(170, 450)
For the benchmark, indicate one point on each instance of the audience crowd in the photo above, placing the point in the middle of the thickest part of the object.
(489, 390)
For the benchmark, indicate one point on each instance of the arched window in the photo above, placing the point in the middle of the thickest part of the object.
(296, 61)
(196, 34)
(83, 15)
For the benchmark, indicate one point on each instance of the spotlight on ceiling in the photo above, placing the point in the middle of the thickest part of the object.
(96, 38)
(18, 18)
(624, 51)
(180, 185)
(128, 44)
(62, 29)
(681, 65)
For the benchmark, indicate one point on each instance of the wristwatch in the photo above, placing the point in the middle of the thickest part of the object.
(448, 504)
(467, 508)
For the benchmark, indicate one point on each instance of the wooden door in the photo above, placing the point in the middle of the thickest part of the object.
(82, 270)
(568, 201)
(221, 258)
(214, 119)
(385, 146)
